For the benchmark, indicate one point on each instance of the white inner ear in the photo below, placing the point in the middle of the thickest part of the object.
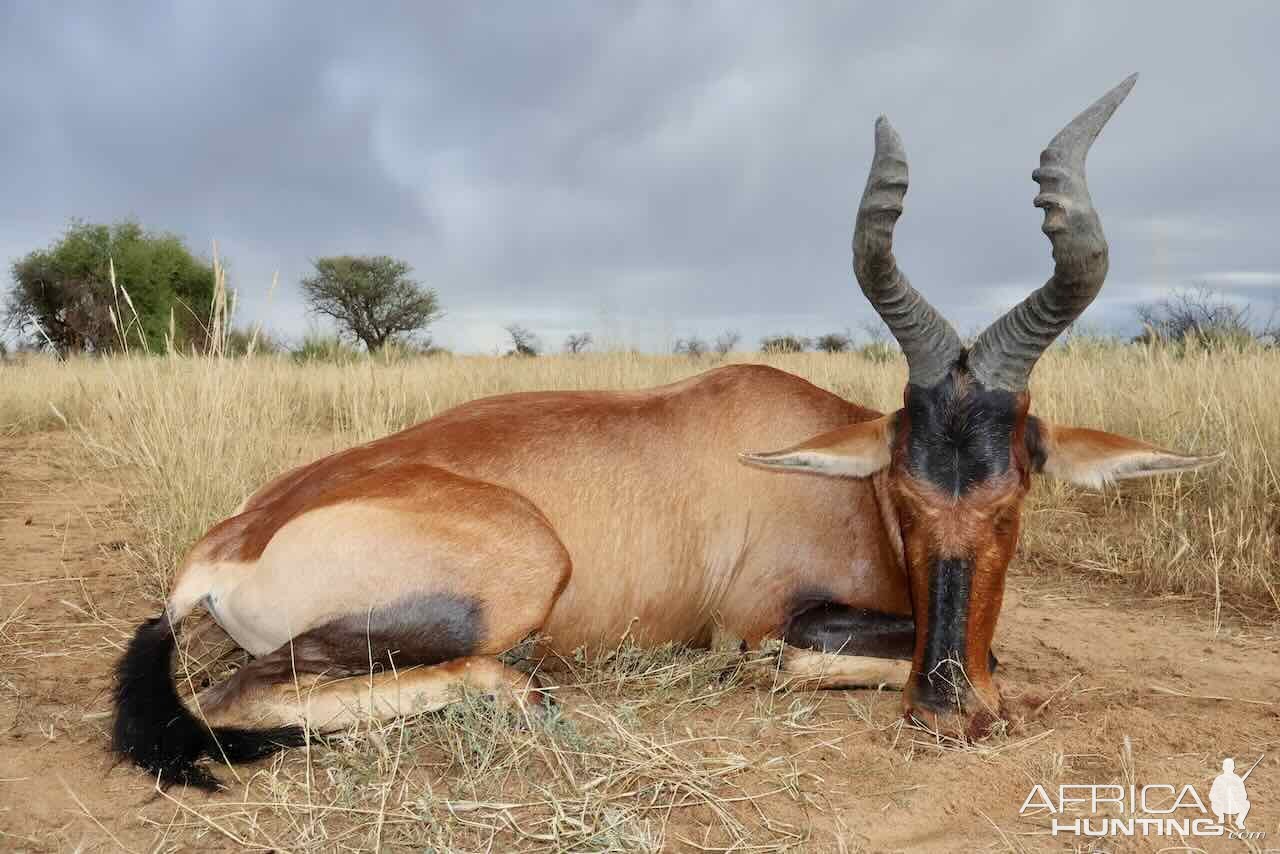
(1096, 472)
(818, 462)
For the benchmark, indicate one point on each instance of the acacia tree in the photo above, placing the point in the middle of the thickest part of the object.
(370, 297)
(1201, 314)
(726, 341)
(833, 342)
(785, 344)
(62, 296)
(578, 342)
(523, 341)
(693, 347)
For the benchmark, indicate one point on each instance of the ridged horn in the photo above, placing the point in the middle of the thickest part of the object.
(1005, 353)
(927, 339)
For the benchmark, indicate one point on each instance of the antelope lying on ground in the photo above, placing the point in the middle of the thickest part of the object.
(377, 581)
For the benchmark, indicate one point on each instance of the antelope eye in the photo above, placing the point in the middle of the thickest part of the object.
(1005, 519)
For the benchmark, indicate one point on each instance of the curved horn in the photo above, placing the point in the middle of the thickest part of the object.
(1005, 353)
(927, 339)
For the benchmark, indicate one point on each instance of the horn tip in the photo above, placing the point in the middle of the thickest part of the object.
(887, 137)
(883, 125)
(1116, 96)
(1076, 138)
(1125, 86)
(1106, 105)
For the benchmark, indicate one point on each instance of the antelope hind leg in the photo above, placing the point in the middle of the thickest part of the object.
(265, 700)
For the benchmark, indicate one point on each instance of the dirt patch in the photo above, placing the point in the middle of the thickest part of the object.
(1113, 688)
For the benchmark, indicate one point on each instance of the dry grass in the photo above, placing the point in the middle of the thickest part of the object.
(193, 436)
(642, 763)
(1212, 536)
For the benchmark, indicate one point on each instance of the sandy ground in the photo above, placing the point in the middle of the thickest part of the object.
(1108, 664)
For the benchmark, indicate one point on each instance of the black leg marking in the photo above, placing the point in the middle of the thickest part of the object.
(832, 628)
(420, 630)
(414, 630)
(828, 627)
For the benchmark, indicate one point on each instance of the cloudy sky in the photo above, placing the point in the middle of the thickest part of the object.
(644, 171)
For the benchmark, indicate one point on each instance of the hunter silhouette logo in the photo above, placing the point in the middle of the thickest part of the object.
(1227, 796)
(1154, 809)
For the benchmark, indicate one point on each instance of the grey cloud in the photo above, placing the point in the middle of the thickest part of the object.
(656, 169)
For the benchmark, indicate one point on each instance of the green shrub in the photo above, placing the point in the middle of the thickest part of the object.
(64, 296)
(239, 341)
(324, 347)
(878, 352)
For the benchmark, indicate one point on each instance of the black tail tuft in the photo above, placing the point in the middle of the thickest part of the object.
(154, 730)
(152, 727)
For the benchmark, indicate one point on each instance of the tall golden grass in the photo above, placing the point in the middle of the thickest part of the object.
(190, 437)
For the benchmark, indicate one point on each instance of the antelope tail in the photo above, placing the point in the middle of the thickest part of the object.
(154, 729)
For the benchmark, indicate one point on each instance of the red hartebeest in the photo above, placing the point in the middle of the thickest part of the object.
(380, 579)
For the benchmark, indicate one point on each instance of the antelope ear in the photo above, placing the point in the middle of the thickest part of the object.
(858, 450)
(1092, 457)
